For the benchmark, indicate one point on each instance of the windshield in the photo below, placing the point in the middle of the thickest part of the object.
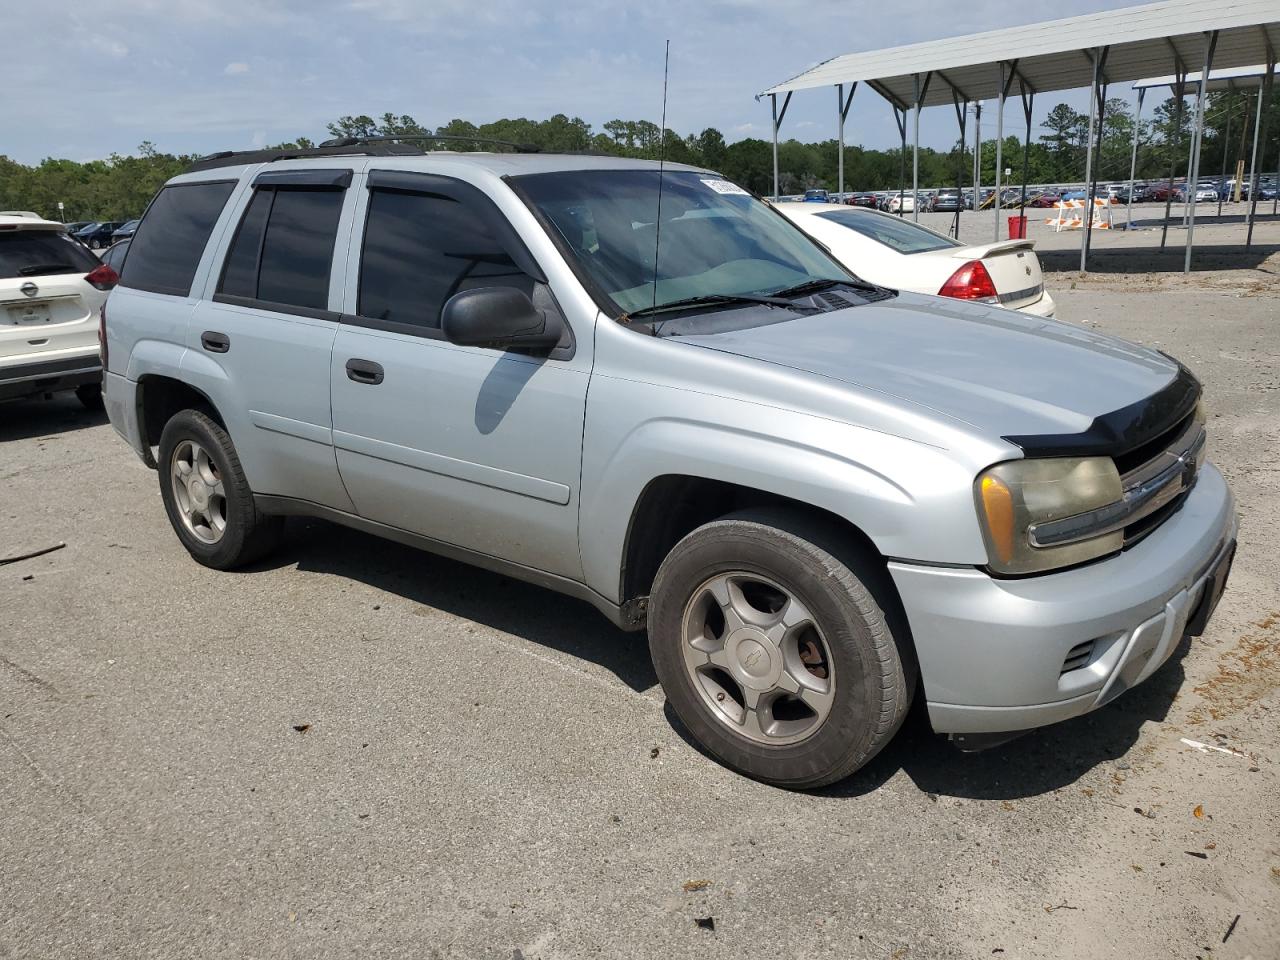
(894, 232)
(714, 239)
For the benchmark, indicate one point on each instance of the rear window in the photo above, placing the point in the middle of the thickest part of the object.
(171, 237)
(894, 232)
(35, 253)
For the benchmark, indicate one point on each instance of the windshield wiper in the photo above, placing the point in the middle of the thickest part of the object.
(714, 299)
(35, 268)
(813, 286)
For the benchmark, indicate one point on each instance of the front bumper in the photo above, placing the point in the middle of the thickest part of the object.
(46, 376)
(994, 654)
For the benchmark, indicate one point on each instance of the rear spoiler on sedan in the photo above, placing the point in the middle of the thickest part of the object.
(979, 250)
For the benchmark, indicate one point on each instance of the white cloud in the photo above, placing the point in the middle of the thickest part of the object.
(235, 68)
(112, 48)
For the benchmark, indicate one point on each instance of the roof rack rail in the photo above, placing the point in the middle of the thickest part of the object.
(434, 138)
(235, 158)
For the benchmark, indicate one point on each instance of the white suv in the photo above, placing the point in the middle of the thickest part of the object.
(51, 294)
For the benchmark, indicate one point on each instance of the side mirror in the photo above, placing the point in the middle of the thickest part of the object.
(498, 317)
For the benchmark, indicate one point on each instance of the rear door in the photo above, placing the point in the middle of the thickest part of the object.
(262, 336)
(46, 307)
(479, 448)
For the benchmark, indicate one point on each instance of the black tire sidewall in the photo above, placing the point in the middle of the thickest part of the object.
(852, 732)
(241, 513)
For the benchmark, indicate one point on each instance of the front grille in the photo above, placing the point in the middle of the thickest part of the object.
(1174, 455)
(1130, 460)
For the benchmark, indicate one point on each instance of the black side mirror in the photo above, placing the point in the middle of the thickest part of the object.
(501, 317)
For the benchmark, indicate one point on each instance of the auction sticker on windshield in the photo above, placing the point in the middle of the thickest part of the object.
(724, 186)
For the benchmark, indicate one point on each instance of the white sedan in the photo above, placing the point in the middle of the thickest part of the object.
(902, 203)
(898, 253)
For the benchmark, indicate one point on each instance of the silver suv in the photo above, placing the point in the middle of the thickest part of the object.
(651, 391)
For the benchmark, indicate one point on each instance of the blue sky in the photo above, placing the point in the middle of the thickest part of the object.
(204, 75)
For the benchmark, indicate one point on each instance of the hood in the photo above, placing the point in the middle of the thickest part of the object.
(1002, 372)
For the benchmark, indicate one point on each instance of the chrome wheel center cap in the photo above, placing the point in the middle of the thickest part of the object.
(199, 493)
(756, 662)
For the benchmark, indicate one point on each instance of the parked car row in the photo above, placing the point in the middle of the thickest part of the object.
(948, 199)
(100, 234)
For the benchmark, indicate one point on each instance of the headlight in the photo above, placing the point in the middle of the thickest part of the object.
(1014, 497)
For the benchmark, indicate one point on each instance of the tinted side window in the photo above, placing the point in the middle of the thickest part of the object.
(240, 275)
(284, 248)
(171, 238)
(421, 249)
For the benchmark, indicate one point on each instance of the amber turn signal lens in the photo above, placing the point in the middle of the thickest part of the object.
(998, 504)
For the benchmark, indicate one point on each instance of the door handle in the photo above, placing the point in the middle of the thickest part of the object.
(215, 342)
(364, 371)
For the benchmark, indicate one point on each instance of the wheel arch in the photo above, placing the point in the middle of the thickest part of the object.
(159, 397)
(673, 505)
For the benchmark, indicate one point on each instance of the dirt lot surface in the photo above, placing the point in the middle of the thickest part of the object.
(360, 750)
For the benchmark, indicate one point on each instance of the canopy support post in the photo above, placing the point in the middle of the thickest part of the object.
(777, 123)
(1028, 96)
(1098, 58)
(1179, 93)
(921, 91)
(1260, 122)
(1133, 159)
(1005, 82)
(977, 157)
(962, 113)
(1193, 180)
(842, 108)
(900, 118)
(1226, 139)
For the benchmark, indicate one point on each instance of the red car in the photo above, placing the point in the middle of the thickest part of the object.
(1043, 200)
(862, 200)
(1159, 193)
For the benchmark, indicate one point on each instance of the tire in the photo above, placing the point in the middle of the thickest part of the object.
(90, 396)
(245, 534)
(868, 669)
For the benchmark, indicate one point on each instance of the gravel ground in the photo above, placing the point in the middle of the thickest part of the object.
(357, 749)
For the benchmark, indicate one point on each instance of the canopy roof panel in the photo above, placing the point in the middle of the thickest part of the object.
(1143, 41)
(1239, 78)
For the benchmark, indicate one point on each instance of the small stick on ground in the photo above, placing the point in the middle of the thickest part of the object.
(1231, 929)
(31, 554)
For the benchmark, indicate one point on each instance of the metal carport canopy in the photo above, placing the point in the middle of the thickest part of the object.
(1144, 41)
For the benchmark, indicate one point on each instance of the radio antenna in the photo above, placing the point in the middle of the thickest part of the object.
(662, 159)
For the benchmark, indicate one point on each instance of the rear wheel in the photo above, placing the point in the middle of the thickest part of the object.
(773, 646)
(207, 497)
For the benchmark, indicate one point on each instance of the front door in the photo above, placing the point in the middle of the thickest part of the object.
(479, 448)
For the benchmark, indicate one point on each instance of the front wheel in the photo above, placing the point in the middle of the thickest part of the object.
(774, 647)
(207, 497)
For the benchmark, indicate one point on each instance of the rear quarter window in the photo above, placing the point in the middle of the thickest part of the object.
(172, 235)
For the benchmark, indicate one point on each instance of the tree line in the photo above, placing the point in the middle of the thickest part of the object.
(119, 187)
